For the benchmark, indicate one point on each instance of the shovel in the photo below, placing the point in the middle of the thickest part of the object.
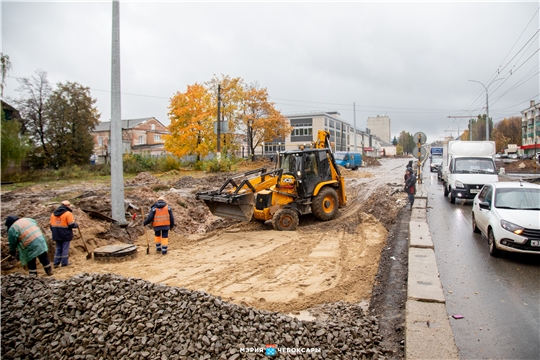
(89, 255)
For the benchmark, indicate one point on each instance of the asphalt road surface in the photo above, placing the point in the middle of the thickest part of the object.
(499, 298)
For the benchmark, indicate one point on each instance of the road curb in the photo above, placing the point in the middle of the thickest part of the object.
(428, 334)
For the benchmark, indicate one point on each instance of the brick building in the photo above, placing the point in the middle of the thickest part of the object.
(139, 136)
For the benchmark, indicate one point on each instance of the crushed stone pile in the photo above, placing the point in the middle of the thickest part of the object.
(95, 316)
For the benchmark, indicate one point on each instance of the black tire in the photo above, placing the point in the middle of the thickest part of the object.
(452, 198)
(325, 205)
(285, 220)
(493, 250)
(475, 228)
(445, 190)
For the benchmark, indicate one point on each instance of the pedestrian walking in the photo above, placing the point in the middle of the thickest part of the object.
(62, 224)
(25, 236)
(410, 186)
(162, 219)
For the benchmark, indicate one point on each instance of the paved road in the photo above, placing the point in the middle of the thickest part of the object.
(498, 297)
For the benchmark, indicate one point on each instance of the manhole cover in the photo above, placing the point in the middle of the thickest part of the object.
(115, 252)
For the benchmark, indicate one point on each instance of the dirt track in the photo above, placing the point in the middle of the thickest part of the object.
(245, 263)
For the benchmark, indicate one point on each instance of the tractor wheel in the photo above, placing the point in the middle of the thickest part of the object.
(285, 220)
(325, 204)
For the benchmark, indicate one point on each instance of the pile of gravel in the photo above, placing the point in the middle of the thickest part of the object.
(105, 316)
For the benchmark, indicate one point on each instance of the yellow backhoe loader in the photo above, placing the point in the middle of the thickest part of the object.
(306, 181)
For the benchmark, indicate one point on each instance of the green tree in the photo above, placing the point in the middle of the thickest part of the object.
(72, 115)
(14, 146)
(395, 141)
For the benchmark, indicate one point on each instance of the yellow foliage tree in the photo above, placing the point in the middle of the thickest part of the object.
(507, 131)
(192, 123)
(263, 122)
(232, 92)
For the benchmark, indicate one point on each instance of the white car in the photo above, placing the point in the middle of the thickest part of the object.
(508, 214)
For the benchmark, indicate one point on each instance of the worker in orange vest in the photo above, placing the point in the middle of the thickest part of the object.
(62, 224)
(162, 220)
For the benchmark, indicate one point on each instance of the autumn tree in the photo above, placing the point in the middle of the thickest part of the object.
(232, 93)
(192, 117)
(507, 131)
(262, 121)
(72, 116)
(194, 112)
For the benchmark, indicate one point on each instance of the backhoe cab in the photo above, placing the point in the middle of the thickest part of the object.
(305, 181)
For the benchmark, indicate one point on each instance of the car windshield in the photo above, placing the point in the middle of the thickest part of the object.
(474, 166)
(517, 198)
(436, 160)
(341, 156)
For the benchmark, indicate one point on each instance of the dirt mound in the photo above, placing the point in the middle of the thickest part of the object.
(528, 165)
(143, 178)
(370, 161)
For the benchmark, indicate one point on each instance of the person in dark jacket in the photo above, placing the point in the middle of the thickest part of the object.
(25, 236)
(162, 219)
(62, 224)
(410, 185)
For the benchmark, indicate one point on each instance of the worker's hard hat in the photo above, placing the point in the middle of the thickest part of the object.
(161, 198)
(66, 203)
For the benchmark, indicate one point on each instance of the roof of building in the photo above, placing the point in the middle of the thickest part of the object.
(126, 124)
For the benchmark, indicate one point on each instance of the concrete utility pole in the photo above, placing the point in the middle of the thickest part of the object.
(218, 154)
(117, 168)
(354, 111)
(487, 104)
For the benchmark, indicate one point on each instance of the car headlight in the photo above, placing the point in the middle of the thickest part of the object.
(459, 184)
(508, 226)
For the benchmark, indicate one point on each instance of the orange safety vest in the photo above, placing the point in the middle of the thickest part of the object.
(161, 217)
(62, 221)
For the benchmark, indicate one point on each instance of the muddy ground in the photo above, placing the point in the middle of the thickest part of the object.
(246, 263)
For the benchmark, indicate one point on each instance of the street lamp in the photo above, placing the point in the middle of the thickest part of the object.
(487, 104)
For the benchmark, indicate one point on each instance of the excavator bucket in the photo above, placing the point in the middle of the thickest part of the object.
(231, 206)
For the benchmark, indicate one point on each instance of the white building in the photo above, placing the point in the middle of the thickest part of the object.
(380, 126)
(342, 135)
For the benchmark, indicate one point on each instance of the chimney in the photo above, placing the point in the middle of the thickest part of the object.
(532, 103)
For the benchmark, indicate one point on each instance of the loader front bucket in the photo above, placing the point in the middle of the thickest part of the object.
(231, 206)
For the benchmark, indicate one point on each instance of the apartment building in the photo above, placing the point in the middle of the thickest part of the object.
(530, 129)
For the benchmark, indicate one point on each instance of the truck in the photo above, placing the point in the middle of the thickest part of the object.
(436, 150)
(467, 167)
(348, 159)
(306, 181)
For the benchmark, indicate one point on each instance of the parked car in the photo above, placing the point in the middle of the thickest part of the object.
(513, 156)
(508, 214)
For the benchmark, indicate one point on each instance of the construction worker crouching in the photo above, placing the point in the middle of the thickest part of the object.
(25, 236)
(62, 224)
(162, 220)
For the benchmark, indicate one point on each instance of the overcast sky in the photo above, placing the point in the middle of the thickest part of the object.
(409, 61)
